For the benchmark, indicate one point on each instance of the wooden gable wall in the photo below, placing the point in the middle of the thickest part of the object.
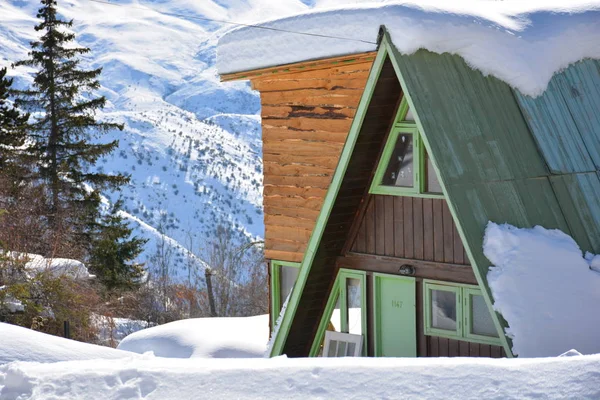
(307, 110)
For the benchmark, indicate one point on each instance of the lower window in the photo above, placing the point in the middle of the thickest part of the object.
(458, 312)
(345, 311)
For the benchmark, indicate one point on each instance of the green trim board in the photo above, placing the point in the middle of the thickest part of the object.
(339, 292)
(276, 287)
(327, 206)
(464, 312)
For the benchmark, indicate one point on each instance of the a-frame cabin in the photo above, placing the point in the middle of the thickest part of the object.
(390, 245)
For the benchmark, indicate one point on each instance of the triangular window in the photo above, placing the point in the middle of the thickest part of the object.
(405, 168)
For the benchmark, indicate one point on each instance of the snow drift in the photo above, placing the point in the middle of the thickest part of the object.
(521, 43)
(545, 289)
(22, 344)
(240, 337)
(317, 378)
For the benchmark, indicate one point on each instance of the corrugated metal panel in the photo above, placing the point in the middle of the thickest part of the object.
(579, 197)
(555, 131)
(475, 126)
(565, 120)
(580, 87)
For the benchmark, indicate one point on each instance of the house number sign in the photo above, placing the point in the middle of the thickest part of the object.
(396, 304)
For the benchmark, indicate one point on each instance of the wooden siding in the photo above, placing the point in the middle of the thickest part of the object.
(374, 129)
(410, 228)
(306, 114)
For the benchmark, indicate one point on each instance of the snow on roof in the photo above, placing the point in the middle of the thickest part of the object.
(521, 43)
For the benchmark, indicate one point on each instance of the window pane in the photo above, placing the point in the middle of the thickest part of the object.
(399, 171)
(409, 116)
(287, 277)
(341, 350)
(433, 183)
(332, 351)
(354, 306)
(335, 323)
(481, 320)
(443, 310)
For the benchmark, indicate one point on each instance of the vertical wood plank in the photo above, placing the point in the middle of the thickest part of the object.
(484, 350)
(409, 249)
(496, 352)
(434, 350)
(428, 229)
(443, 347)
(370, 227)
(359, 244)
(463, 349)
(418, 228)
(453, 348)
(458, 247)
(379, 225)
(448, 234)
(389, 225)
(473, 349)
(398, 226)
(438, 231)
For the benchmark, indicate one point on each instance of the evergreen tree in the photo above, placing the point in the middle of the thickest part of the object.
(63, 135)
(12, 121)
(114, 252)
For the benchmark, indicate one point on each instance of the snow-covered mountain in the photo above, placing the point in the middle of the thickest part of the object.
(191, 143)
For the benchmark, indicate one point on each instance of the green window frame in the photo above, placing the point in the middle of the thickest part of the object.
(464, 318)
(276, 303)
(339, 291)
(419, 188)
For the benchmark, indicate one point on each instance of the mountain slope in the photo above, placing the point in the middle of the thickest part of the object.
(191, 144)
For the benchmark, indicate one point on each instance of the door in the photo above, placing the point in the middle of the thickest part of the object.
(395, 316)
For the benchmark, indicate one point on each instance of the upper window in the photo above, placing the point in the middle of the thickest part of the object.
(405, 168)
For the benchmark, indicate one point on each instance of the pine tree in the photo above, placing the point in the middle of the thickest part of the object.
(114, 252)
(12, 123)
(63, 135)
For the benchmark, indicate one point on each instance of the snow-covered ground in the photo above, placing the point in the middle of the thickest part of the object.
(545, 288)
(21, 344)
(318, 378)
(241, 337)
(38, 366)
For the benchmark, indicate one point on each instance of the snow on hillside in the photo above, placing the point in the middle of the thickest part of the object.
(191, 143)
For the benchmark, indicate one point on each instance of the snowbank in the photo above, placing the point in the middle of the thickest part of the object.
(203, 338)
(35, 263)
(21, 344)
(545, 290)
(521, 43)
(280, 378)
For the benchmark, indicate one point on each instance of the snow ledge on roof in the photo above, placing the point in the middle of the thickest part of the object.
(522, 43)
